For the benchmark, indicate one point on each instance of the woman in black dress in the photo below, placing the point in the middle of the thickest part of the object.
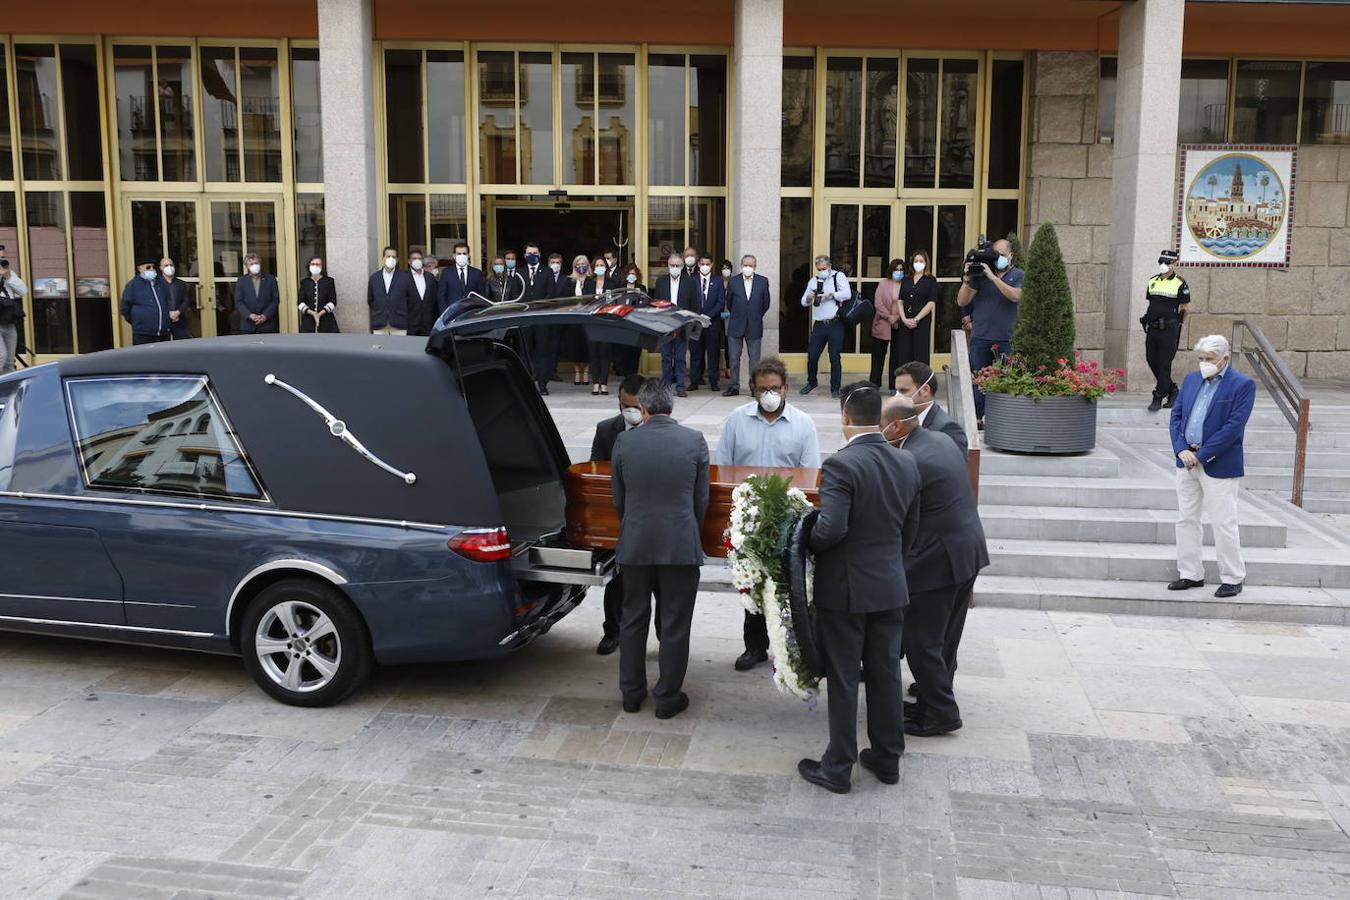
(918, 307)
(318, 301)
(575, 348)
(600, 351)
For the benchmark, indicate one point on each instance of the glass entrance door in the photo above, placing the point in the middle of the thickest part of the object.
(168, 228)
(945, 231)
(239, 228)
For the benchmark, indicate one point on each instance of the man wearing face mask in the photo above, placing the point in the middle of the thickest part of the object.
(682, 291)
(705, 350)
(542, 283)
(390, 296)
(992, 307)
(1169, 299)
(422, 314)
(823, 297)
(690, 261)
(748, 300)
(940, 567)
(257, 299)
(1207, 425)
(766, 432)
(145, 305)
(916, 382)
(180, 301)
(460, 280)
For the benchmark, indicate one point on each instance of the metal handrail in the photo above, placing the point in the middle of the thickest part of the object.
(1284, 387)
(960, 393)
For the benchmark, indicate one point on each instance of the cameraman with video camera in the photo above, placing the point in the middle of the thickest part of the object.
(991, 288)
(12, 292)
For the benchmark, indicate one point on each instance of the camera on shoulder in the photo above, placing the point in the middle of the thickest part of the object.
(982, 252)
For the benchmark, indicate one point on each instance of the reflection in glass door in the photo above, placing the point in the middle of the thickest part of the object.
(860, 242)
(239, 228)
(941, 230)
(168, 228)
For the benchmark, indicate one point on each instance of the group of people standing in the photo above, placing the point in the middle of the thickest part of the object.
(898, 544)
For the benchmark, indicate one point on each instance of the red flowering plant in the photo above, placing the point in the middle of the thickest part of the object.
(1064, 378)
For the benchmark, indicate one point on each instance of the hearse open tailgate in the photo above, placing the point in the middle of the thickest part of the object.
(563, 565)
(617, 317)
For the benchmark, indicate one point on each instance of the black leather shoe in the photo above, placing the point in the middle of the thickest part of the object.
(809, 769)
(680, 705)
(1155, 404)
(1185, 584)
(608, 644)
(543, 390)
(632, 706)
(928, 728)
(714, 388)
(681, 392)
(1171, 397)
(731, 392)
(914, 710)
(834, 395)
(807, 388)
(693, 387)
(1229, 590)
(749, 659)
(868, 760)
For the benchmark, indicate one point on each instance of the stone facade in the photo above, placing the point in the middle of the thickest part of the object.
(1304, 310)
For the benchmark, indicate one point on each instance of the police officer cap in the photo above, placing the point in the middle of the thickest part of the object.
(1168, 256)
(147, 261)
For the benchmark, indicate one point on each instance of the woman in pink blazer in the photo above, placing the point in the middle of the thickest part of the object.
(887, 302)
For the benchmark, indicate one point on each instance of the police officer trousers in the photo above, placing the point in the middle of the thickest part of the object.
(1159, 349)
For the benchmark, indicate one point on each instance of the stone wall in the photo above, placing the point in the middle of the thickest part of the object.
(1304, 310)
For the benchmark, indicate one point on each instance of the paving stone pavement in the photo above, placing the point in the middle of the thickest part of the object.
(1221, 769)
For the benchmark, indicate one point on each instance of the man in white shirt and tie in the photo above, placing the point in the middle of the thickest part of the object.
(423, 314)
(824, 294)
(460, 280)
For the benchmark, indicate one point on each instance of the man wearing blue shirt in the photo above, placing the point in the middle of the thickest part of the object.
(766, 432)
(1208, 421)
(989, 299)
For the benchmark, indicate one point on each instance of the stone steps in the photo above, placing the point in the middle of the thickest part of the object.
(1275, 439)
(1318, 480)
(1097, 463)
(1326, 503)
(1081, 493)
(1125, 526)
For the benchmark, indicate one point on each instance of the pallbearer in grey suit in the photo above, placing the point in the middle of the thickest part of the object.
(869, 509)
(940, 567)
(659, 478)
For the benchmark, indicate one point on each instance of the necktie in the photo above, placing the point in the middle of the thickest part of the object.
(463, 278)
(705, 288)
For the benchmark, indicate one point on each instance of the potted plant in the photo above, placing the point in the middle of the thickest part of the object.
(1043, 398)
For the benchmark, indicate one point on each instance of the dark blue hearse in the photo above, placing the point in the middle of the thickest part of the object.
(314, 503)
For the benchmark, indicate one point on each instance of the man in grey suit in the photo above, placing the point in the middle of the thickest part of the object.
(940, 567)
(748, 300)
(869, 507)
(659, 479)
(918, 383)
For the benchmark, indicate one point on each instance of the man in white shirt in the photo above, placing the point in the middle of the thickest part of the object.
(766, 432)
(824, 295)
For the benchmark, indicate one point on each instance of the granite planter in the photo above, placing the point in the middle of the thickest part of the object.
(1046, 425)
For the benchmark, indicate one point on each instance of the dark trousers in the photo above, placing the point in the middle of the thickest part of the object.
(600, 356)
(910, 344)
(677, 586)
(824, 334)
(756, 632)
(672, 361)
(873, 639)
(879, 348)
(137, 339)
(982, 353)
(547, 345)
(925, 643)
(705, 354)
(1159, 349)
(614, 607)
(956, 624)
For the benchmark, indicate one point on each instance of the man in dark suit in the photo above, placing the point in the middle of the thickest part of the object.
(940, 568)
(748, 300)
(659, 479)
(257, 299)
(704, 350)
(680, 290)
(918, 383)
(602, 450)
(869, 509)
(459, 280)
(181, 299)
(541, 283)
(390, 297)
(425, 293)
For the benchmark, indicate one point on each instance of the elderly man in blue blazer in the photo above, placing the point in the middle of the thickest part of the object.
(257, 299)
(747, 301)
(1208, 421)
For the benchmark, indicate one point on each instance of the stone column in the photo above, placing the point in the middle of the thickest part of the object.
(757, 150)
(346, 78)
(1143, 186)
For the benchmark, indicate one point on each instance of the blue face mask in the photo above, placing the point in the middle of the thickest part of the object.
(1002, 263)
(898, 275)
(581, 270)
(510, 263)
(148, 274)
(498, 268)
(631, 279)
(532, 258)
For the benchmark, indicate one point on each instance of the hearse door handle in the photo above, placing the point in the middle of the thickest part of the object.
(338, 429)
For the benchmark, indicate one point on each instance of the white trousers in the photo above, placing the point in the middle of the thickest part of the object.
(1217, 499)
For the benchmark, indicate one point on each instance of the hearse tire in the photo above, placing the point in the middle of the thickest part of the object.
(796, 559)
(304, 643)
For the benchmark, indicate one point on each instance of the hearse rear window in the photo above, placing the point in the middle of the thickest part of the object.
(164, 434)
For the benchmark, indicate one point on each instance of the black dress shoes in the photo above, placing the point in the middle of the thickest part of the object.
(1228, 590)
(809, 769)
(632, 706)
(731, 392)
(681, 392)
(608, 644)
(749, 659)
(1171, 397)
(807, 388)
(1155, 404)
(669, 712)
(1185, 584)
(925, 727)
(869, 761)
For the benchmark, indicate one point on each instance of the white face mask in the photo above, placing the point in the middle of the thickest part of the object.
(891, 436)
(748, 271)
(632, 415)
(461, 259)
(168, 271)
(148, 274)
(690, 260)
(770, 401)
(600, 271)
(556, 267)
(1208, 369)
(675, 271)
(920, 265)
(631, 278)
(726, 273)
(416, 264)
(390, 262)
(316, 271)
(1162, 268)
(254, 269)
(705, 270)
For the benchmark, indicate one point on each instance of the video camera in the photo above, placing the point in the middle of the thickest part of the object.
(983, 252)
(4, 263)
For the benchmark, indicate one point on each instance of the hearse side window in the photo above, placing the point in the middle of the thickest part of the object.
(134, 434)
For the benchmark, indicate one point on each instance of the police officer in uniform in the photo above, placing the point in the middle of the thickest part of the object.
(1169, 300)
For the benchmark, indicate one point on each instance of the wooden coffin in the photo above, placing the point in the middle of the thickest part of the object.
(593, 523)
